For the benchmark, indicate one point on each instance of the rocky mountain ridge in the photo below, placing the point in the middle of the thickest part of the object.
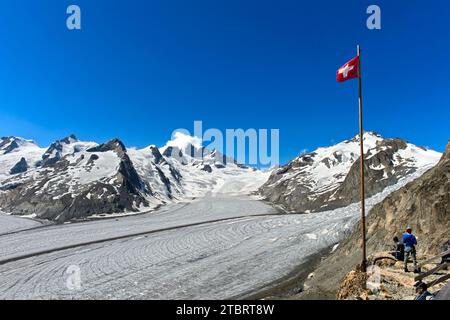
(73, 179)
(328, 178)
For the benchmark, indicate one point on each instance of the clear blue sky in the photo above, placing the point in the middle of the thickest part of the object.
(140, 69)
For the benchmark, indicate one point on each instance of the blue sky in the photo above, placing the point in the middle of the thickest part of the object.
(140, 69)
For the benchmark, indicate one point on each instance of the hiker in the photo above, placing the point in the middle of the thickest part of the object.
(410, 241)
(422, 291)
(398, 250)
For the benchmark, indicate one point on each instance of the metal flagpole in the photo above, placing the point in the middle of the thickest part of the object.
(363, 214)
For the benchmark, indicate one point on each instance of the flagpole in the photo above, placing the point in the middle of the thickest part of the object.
(363, 214)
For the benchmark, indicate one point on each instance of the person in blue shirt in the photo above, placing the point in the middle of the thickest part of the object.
(410, 242)
(422, 291)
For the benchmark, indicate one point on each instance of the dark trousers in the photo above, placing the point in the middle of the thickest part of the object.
(410, 252)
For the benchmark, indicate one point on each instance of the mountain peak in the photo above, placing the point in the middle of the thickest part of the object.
(368, 135)
(11, 143)
(69, 139)
(326, 178)
(14, 138)
(112, 145)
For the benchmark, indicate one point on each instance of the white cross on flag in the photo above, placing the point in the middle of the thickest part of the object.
(348, 70)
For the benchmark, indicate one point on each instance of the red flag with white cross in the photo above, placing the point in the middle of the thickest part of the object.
(348, 71)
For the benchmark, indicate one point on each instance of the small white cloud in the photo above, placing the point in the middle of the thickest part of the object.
(182, 140)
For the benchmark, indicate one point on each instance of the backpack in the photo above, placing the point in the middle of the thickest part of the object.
(400, 251)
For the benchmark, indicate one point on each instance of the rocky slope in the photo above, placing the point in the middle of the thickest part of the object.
(423, 204)
(328, 178)
(389, 282)
(73, 179)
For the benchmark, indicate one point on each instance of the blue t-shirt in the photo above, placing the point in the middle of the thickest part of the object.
(409, 240)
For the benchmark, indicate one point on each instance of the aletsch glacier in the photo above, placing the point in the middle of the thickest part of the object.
(210, 239)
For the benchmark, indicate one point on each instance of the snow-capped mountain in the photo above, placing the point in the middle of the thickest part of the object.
(328, 178)
(18, 155)
(74, 179)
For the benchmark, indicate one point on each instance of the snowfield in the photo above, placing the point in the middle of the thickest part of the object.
(226, 244)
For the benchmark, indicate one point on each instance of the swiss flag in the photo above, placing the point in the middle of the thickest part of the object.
(348, 70)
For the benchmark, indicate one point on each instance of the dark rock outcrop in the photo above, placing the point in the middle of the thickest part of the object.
(219, 165)
(11, 143)
(19, 167)
(175, 153)
(128, 177)
(175, 174)
(54, 153)
(206, 168)
(112, 145)
(157, 155)
(93, 158)
(164, 180)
